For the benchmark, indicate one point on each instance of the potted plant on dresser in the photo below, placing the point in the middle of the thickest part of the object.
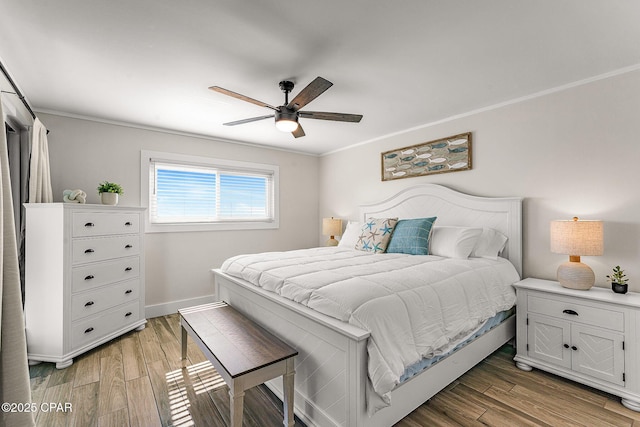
(618, 280)
(109, 192)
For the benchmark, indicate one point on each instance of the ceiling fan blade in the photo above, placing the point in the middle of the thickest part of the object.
(298, 132)
(338, 117)
(252, 119)
(309, 93)
(242, 97)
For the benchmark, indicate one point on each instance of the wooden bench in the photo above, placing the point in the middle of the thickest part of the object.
(243, 353)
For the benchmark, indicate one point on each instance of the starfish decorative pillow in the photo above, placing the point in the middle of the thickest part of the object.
(375, 234)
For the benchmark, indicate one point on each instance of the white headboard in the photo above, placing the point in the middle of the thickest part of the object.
(454, 208)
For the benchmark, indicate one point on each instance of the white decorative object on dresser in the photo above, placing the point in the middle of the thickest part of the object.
(84, 277)
(592, 337)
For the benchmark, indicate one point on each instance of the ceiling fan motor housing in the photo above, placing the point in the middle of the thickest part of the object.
(286, 114)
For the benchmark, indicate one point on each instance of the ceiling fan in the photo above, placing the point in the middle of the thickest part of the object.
(287, 115)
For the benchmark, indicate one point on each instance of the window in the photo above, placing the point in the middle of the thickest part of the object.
(194, 193)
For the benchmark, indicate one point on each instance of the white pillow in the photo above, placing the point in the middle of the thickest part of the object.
(454, 242)
(490, 244)
(350, 236)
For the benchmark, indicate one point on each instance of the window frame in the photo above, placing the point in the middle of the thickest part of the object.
(146, 157)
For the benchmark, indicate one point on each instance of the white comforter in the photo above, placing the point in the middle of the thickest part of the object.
(413, 305)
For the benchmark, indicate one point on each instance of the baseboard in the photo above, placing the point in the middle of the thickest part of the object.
(173, 306)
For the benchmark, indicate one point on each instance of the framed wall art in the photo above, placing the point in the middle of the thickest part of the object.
(449, 154)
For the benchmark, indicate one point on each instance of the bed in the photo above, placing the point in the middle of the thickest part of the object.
(332, 372)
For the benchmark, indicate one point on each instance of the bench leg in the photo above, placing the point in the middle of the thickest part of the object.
(288, 389)
(184, 346)
(236, 403)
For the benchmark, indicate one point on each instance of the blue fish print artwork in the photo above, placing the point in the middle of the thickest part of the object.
(449, 154)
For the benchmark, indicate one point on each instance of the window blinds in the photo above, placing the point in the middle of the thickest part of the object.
(190, 193)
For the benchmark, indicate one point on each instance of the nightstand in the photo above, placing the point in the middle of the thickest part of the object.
(592, 337)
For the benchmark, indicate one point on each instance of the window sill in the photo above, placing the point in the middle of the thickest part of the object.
(221, 226)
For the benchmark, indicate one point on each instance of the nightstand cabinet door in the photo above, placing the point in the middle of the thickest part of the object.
(598, 353)
(549, 340)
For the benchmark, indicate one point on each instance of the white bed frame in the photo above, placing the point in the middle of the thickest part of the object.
(331, 368)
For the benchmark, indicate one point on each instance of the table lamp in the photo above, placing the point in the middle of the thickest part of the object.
(331, 227)
(576, 238)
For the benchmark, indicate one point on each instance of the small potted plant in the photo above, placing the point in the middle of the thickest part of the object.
(109, 192)
(618, 280)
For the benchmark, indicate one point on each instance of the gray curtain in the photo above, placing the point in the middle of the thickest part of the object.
(19, 159)
(14, 368)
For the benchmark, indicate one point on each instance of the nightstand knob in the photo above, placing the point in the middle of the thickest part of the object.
(574, 348)
(128, 269)
(128, 246)
(128, 314)
(86, 331)
(89, 277)
(566, 345)
(128, 224)
(89, 304)
(89, 251)
(571, 312)
(89, 224)
(128, 291)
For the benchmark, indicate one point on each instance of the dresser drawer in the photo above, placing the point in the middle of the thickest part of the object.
(588, 314)
(87, 303)
(91, 329)
(102, 273)
(87, 224)
(102, 248)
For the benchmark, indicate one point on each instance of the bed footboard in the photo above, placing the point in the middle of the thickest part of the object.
(330, 363)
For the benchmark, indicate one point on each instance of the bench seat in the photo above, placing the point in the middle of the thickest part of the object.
(243, 353)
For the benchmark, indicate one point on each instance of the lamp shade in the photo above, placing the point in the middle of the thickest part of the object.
(331, 226)
(576, 237)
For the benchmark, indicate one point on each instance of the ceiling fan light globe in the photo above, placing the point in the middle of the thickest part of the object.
(286, 125)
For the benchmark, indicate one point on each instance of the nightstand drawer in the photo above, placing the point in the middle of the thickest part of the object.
(587, 314)
(88, 303)
(102, 273)
(99, 249)
(96, 327)
(87, 224)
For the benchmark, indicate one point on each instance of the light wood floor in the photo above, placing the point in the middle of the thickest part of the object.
(138, 380)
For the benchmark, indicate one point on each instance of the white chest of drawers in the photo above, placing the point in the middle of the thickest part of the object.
(592, 337)
(84, 277)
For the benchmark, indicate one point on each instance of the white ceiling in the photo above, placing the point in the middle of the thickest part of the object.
(401, 64)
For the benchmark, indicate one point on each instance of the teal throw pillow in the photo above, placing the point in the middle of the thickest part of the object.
(411, 236)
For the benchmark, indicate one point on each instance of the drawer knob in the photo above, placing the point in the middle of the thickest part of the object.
(128, 269)
(574, 348)
(571, 312)
(128, 291)
(86, 331)
(127, 224)
(89, 304)
(128, 314)
(89, 224)
(128, 246)
(89, 277)
(89, 251)
(566, 345)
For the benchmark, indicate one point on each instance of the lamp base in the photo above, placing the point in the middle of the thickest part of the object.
(331, 242)
(576, 275)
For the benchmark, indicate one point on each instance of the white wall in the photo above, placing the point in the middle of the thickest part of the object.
(178, 265)
(574, 152)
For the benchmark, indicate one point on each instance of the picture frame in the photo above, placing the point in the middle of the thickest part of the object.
(450, 154)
